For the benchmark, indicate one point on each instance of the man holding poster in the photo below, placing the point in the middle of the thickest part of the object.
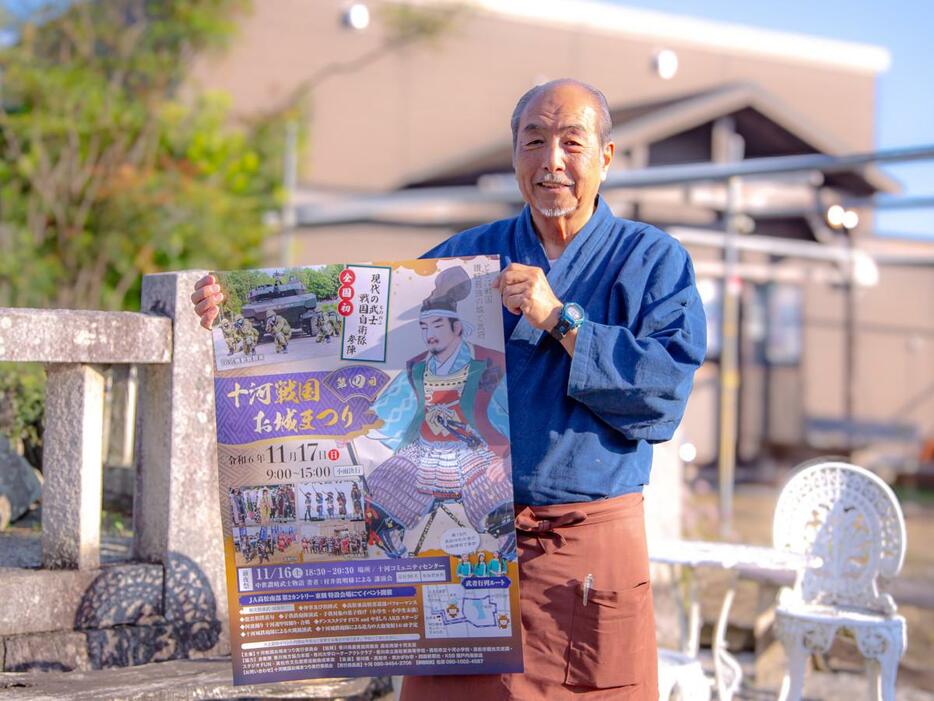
(605, 330)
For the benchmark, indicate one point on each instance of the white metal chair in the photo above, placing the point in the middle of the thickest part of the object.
(682, 672)
(850, 524)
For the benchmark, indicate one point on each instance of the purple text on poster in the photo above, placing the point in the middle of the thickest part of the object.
(327, 574)
(335, 403)
(326, 595)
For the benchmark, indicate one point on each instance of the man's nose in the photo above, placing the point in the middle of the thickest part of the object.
(554, 157)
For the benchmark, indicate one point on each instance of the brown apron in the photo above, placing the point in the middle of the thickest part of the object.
(604, 650)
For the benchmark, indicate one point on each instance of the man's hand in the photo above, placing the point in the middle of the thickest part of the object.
(206, 297)
(526, 291)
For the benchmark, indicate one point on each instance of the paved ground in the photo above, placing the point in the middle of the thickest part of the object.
(820, 685)
(210, 679)
(178, 680)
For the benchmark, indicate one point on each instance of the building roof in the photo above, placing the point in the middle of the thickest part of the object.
(720, 36)
(769, 128)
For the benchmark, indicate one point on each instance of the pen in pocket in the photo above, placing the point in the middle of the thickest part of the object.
(588, 583)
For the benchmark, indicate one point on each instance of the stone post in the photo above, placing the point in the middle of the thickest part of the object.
(664, 495)
(176, 507)
(71, 465)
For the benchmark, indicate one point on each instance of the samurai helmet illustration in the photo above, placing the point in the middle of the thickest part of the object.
(451, 286)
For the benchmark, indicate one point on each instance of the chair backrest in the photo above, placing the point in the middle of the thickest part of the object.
(852, 521)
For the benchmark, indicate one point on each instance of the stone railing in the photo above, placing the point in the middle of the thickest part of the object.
(176, 518)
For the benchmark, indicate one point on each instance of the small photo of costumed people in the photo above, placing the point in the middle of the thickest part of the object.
(262, 505)
(266, 545)
(272, 316)
(324, 501)
(329, 541)
(480, 564)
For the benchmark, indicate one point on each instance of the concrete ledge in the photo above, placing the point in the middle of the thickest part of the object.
(46, 652)
(73, 336)
(38, 601)
(181, 679)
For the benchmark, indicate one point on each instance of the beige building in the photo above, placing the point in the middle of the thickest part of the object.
(407, 144)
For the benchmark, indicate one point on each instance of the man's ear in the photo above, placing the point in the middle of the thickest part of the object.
(609, 150)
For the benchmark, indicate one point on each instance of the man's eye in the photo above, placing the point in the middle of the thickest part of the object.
(533, 142)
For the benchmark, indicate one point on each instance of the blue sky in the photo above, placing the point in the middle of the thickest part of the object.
(905, 104)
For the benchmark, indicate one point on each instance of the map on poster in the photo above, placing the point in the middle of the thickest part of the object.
(364, 471)
(454, 612)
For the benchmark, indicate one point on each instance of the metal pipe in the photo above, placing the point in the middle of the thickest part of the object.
(729, 362)
(694, 172)
(849, 347)
(502, 188)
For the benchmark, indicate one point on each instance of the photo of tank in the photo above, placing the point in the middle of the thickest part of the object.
(290, 300)
(274, 315)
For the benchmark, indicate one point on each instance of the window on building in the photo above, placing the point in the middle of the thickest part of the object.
(711, 294)
(783, 341)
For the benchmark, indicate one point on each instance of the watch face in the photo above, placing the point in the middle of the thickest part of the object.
(575, 312)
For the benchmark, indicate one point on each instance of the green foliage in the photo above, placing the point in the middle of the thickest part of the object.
(22, 397)
(105, 173)
(323, 282)
(407, 23)
(114, 523)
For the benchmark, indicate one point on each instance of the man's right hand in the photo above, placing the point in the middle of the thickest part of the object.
(206, 297)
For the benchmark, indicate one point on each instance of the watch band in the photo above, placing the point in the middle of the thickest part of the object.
(570, 318)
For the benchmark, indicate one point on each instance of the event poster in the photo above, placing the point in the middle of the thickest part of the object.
(364, 471)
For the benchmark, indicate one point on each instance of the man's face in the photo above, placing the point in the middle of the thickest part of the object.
(439, 333)
(558, 159)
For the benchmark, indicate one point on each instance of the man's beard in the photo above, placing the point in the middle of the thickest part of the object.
(554, 212)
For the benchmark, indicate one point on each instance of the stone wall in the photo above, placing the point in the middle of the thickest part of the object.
(117, 616)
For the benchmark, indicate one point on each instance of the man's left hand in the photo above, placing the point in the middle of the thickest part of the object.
(526, 291)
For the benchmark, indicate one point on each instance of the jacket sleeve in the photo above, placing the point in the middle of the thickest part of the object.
(396, 406)
(637, 376)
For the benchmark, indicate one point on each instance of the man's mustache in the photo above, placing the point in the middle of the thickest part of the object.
(554, 179)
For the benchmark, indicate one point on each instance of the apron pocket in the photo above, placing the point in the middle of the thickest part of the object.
(608, 637)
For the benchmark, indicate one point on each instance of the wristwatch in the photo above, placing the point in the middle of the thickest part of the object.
(571, 317)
